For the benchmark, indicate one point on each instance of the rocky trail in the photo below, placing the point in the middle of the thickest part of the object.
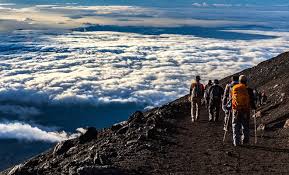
(200, 150)
(163, 140)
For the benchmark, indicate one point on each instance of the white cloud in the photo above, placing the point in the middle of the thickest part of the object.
(204, 4)
(27, 132)
(109, 67)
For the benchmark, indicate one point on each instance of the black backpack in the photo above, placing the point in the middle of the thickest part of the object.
(198, 90)
(215, 92)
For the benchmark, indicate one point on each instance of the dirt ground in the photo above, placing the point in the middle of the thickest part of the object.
(200, 150)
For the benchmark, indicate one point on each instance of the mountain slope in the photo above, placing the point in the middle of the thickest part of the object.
(164, 141)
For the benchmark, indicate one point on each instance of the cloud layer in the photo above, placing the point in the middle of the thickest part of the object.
(106, 67)
(27, 132)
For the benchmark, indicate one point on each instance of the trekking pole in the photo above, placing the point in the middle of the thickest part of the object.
(255, 123)
(226, 129)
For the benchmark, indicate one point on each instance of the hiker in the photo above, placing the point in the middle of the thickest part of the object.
(227, 101)
(215, 97)
(242, 103)
(206, 96)
(196, 95)
(210, 83)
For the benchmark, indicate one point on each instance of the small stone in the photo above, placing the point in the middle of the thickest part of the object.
(91, 148)
(286, 125)
(131, 142)
(261, 127)
(258, 114)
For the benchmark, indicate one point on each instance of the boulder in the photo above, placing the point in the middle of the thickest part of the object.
(136, 118)
(90, 134)
(62, 147)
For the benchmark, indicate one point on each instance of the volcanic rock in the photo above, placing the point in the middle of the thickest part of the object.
(89, 135)
(62, 147)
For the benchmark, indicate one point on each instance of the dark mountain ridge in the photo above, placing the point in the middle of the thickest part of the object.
(164, 141)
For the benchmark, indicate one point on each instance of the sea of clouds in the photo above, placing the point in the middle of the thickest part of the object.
(51, 67)
(107, 67)
(23, 131)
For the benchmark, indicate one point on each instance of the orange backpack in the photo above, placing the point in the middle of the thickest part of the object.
(240, 97)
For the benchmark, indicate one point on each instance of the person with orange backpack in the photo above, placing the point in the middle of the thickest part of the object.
(196, 95)
(242, 103)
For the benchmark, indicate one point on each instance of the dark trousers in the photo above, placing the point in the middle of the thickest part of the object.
(240, 125)
(214, 110)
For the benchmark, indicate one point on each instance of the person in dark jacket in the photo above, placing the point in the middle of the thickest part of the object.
(215, 95)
